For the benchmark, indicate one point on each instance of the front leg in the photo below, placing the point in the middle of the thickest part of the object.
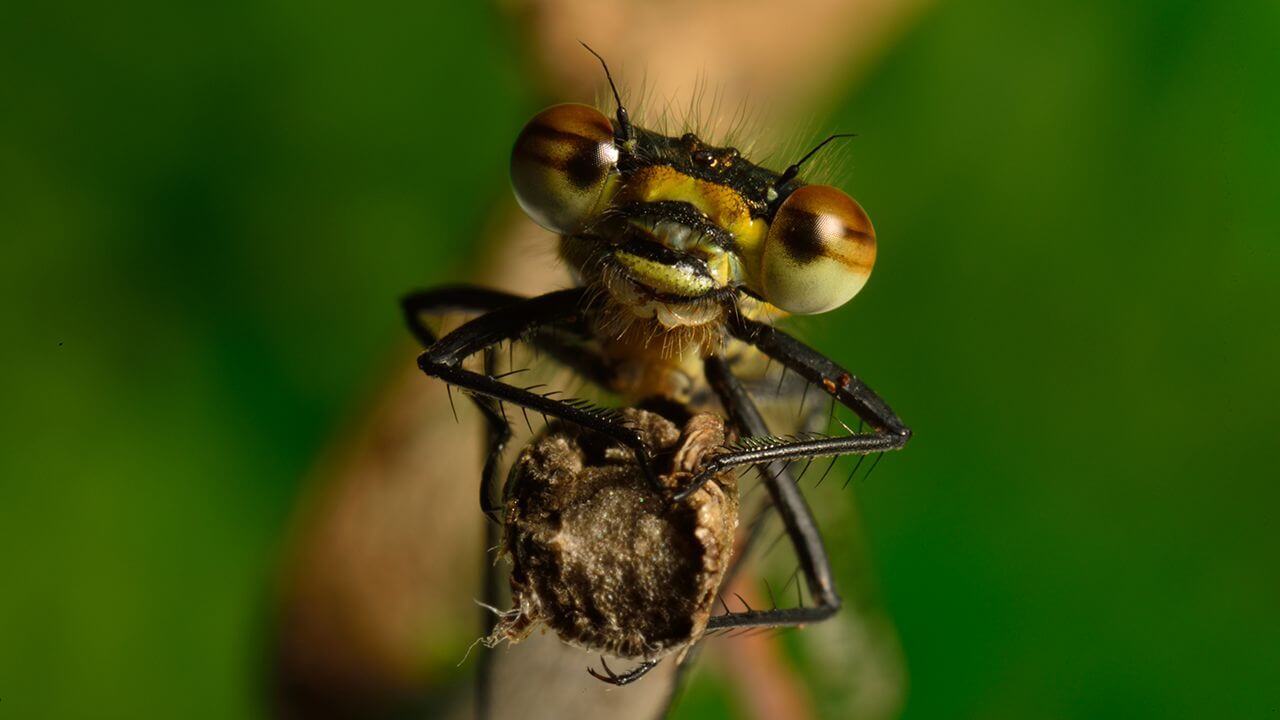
(890, 432)
(449, 299)
(797, 519)
(466, 299)
(473, 299)
(565, 308)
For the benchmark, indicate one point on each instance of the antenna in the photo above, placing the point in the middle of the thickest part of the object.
(624, 133)
(792, 171)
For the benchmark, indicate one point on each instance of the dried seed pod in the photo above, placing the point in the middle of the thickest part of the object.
(603, 558)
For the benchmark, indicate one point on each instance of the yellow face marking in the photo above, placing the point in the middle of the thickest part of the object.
(722, 204)
(664, 278)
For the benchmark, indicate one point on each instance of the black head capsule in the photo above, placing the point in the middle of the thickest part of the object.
(802, 248)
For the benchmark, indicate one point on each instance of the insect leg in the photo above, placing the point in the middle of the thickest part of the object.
(465, 298)
(456, 299)
(449, 299)
(565, 308)
(468, 298)
(626, 678)
(792, 508)
(889, 432)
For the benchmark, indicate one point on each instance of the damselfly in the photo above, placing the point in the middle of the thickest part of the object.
(684, 252)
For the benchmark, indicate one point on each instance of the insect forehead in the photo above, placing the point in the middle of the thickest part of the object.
(691, 157)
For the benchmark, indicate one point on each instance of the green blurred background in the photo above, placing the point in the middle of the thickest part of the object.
(208, 212)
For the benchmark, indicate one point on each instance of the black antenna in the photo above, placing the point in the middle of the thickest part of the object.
(624, 121)
(794, 170)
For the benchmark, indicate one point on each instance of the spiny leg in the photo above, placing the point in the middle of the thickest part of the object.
(626, 678)
(467, 298)
(472, 299)
(440, 301)
(444, 358)
(743, 551)
(786, 398)
(889, 432)
(792, 508)
(793, 391)
(449, 299)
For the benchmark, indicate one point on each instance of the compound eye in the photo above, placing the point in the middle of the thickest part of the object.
(819, 251)
(560, 165)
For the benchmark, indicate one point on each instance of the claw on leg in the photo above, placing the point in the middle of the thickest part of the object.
(626, 678)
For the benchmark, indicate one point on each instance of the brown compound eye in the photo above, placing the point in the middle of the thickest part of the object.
(818, 252)
(560, 165)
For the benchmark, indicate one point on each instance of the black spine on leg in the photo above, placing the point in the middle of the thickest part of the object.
(792, 508)
(890, 432)
(443, 359)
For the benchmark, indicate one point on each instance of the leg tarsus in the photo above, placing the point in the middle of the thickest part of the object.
(508, 317)
(601, 422)
(890, 433)
(626, 678)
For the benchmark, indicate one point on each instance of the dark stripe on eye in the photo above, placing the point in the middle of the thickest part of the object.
(583, 129)
(802, 237)
(550, 133)
(576, 156)
(584, 168)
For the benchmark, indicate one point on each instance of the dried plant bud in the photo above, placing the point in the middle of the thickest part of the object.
(603, 558)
